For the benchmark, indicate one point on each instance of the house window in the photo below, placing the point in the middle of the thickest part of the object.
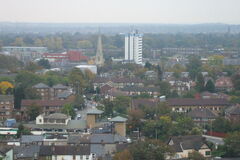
(207, 153)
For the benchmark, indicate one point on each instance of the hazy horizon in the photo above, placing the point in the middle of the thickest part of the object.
(124, 11)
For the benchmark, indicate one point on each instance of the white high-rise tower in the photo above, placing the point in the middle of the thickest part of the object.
(133, 47)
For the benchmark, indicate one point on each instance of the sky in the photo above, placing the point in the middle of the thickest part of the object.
(121, 11)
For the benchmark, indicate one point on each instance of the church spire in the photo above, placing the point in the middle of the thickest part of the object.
(99, 61)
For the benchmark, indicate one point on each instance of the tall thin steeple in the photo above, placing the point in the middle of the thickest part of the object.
(99, 61)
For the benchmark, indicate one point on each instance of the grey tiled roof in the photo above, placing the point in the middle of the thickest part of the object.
(57, 116)
(94, 111)
(201, 113)
(41, 85)
(64, 150)
(22, 152)
(72, 124)
(234, 110)
(107, 139)
(6, 97)
(181, 143)
(98, 149)
(31, 138)
(118, 119)
(64, 94)
(59, 86)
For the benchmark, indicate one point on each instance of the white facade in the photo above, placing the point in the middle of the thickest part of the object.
(71, 157)
(84, 67)
(133, 48)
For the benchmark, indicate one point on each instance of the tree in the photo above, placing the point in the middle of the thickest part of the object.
(196, 156)
(77, 79)
(165, 88)
(160, 72)
(184, 126)
(79, 102)
(150, 150)
(38, 42)
(177, 69)
(221, 125)
(124, 155)
(236, 81)
(10, 63)
(200, 83)
(108, 108)
(194, 66)
(84, 44)
(158, 129)
(5, 87)
(19, 42)
(210, 86)
(33, 111)
(232, 145)
(44, 63)
(31, 93)
(148, 65)
(24, 80)
(69, 110)
(134, 119)
(121, 104)
(22, 131)
(32, 67)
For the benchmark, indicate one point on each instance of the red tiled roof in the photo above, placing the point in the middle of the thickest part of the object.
(105, 88)
(224, 82)
(197, 102)
(145, 102)
(117, 80)
(41, 103)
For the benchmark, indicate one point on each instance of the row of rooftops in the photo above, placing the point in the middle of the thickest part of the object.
(118, 80)
(76, 139)
(182, 102)
(136, 102)
(44, 86)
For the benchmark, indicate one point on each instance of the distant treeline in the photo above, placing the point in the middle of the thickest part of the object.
(65, 41)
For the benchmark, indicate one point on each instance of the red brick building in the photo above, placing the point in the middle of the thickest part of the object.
(6, 106)
(71, 56)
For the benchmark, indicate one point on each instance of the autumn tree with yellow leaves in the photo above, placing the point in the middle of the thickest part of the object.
(5, 87)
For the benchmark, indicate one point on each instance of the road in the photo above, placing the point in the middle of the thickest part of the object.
(89, 105)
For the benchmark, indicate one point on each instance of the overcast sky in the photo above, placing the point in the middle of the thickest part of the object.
(128, 11)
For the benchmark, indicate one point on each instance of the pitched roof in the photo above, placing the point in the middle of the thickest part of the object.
(59, 86)
(234, 110)
(145, 102)
(118, 119)
(41, 85)
(4, 150)
(107, 139)
(31, 138)
(22, 152)
(140, 89)
(6, 98)
(94, 111)
(64, 150)
(64, 94)
(57, 116)
(201, 113)
(117, 80)
(81, 139)
(42, 103)
(197, 102)
(116, 93)
(180, 143)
